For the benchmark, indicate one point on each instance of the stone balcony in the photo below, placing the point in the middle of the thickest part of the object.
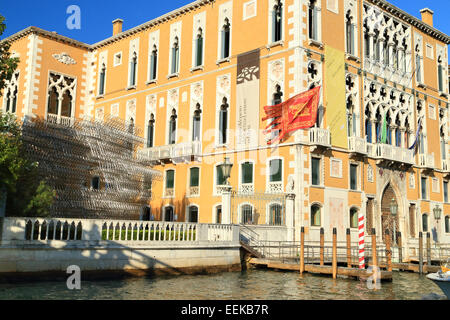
(391, 153)
(175, 153)
(64, 121)
(357, 145)
(426, 161)
(320, 137)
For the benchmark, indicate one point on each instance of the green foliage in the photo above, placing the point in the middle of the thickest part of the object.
(27, 194)
(7, 64)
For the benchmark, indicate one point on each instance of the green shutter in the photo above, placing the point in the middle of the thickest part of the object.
(194, 177)
(275, 170)
(170, 182)
(247, 173)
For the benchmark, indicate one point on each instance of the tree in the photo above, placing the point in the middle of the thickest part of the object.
(21, 188)
(7, 64)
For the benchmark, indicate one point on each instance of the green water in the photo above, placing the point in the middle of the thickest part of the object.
(251, 285)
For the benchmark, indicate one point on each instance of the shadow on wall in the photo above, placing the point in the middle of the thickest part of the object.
(176, 210)
(97, 259)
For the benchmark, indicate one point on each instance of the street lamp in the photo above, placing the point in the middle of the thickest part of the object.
(394, 208)
(437, 215)
(226, 170)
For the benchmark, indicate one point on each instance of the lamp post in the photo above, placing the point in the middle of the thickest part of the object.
(226, 170)
(394, 208)
(226, 193)
(437, 215)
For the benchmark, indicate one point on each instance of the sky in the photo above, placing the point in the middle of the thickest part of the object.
(97, 15)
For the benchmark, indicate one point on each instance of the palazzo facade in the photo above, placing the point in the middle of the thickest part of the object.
(196, 81)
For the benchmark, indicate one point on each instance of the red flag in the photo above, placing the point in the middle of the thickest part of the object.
(299, 112)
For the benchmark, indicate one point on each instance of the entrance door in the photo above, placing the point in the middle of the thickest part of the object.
(388, 222)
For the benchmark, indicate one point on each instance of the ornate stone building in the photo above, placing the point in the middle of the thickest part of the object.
(196, 81)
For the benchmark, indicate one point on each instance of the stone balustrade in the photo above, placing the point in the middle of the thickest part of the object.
(37, 230)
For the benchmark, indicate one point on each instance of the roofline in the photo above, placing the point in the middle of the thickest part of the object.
(399, 13)
(198, 3)
(45, 33)
(168, 16)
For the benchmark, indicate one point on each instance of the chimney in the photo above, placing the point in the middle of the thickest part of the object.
(427, 16)
(117, 26)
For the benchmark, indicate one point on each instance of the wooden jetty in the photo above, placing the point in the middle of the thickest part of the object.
(346, 265)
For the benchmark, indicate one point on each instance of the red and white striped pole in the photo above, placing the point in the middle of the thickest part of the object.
(362, 264)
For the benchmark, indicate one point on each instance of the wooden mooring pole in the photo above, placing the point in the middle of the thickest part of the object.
(399, 244)
(428, 249)
(388, 250)
(420, 253)
(334, 262)
(349, 249)
(374, 248)
(302, 250)
(322, 244)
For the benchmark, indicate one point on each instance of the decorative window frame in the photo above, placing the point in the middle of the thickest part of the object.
(321, 171)
(249, 186)
(196, 95)
(173, 99)
(150, 108)
(435, 185)
(188, 182)
(316, 42)
(270, 41)
(153, 41)
(114, 114)
(13, 84)
(199, 22)
(72, 89)
(352, 6)
(223, 90)
(164, 195)
(225, 12)
(175, 32)
(269, 188)
(103, 60)
(133, 48)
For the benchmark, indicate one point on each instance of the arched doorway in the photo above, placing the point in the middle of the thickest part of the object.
(388, 222)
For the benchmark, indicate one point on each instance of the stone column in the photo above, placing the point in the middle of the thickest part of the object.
(374, 130)
(226, 205)
(290, 209)
(371, 48)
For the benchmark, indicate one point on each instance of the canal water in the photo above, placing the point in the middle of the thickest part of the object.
(246, 285)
